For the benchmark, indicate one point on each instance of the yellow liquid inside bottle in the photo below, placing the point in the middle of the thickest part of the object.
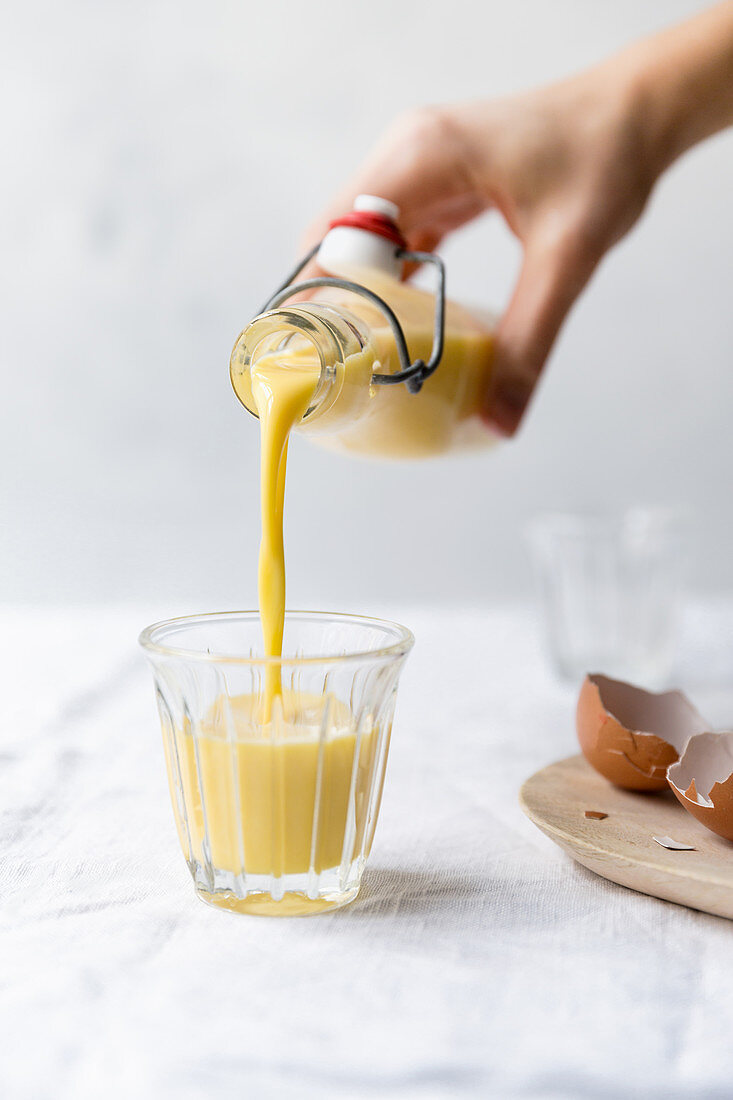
(351, 413)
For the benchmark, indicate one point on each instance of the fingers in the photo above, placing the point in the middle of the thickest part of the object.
(387, 172)
(419, 164)
(549, 283)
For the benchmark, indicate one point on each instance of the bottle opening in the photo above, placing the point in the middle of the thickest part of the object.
(294, 337)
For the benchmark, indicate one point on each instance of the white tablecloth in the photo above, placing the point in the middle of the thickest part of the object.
(478, 961)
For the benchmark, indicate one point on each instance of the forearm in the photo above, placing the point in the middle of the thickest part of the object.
(681, 83)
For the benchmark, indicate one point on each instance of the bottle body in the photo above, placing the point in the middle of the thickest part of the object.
(346, 340)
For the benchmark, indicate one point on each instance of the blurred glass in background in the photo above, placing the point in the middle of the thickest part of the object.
(609, 588)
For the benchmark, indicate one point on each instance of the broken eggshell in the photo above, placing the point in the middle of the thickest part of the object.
(631, 736)
(702, 780)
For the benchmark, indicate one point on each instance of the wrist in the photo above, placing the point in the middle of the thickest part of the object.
(649, 101)
(678, 85)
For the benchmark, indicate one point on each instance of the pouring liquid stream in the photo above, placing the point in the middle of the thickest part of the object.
(322, 381)
(282, 394)
(279, 761)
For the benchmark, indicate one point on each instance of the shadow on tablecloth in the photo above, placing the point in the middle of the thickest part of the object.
(389, 890)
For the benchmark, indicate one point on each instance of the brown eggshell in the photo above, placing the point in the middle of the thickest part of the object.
(702, 780)
(631, 736)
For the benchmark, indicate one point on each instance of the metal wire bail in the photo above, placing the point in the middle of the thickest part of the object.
(413, 374)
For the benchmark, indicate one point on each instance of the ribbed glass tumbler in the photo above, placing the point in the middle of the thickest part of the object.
(276, 765)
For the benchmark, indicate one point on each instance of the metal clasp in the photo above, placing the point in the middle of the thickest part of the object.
(413, 374)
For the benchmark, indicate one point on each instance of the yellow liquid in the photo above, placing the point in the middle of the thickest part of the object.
(355, 415)
(393, 423)
(273, 799)
(280, 783)
(380, 421)
(281, 395)
(267, 793)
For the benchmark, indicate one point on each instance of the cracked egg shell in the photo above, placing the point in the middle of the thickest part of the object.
(631, 736)
(702, 780)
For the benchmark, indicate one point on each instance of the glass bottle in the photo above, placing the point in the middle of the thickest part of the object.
(348, 339)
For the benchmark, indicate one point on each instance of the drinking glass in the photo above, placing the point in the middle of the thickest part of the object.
(276, 764)
(609, 590)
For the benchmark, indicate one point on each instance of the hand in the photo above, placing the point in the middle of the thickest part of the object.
(568, 167)
(560, 165)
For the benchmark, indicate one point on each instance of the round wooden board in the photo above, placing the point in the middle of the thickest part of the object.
(620, 847)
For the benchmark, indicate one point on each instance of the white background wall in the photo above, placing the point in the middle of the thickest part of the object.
(160, 161)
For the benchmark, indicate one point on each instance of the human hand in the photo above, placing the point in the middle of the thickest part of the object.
(562, 167)
(568, 167)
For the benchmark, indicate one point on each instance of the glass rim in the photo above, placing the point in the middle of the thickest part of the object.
(581, 524)
(399, 647)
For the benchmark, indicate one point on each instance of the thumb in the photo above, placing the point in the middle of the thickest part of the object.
(551, 279)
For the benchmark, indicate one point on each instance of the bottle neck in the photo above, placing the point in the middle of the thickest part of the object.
(312, 334)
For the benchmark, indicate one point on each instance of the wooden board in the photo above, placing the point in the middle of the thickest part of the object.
(620, 847)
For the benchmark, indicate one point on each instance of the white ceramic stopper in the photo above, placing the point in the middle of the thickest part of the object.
(358, 254)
